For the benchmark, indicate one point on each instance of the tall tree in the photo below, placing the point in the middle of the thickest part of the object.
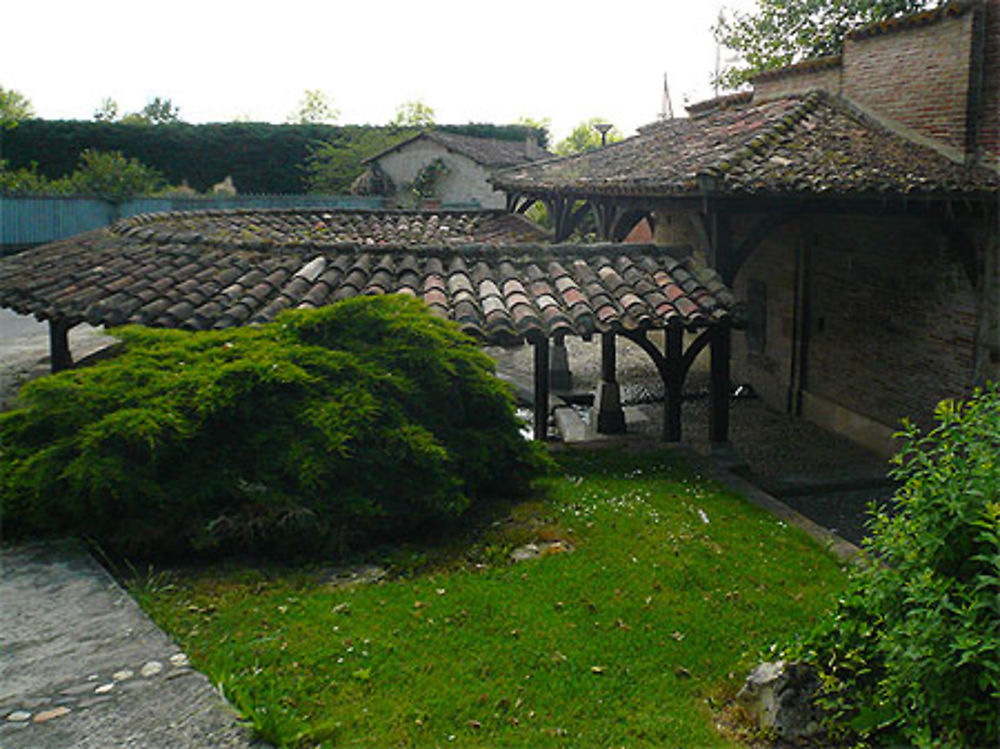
(782, 32)
(542, 125)
(314, 109)
(586, 137)
(157, 112)
(14, 107)
(107, 111)
(413, 114)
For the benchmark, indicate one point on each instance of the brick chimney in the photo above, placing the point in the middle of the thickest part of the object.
(531, 149)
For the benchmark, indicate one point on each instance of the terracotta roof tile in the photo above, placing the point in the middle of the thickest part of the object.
(495, 292)
(813, 144)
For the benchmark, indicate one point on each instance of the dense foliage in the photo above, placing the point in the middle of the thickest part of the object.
(912, 654)
(261, 158)
(108, 176)
(14, 107)
(782, 32)
(325, 428)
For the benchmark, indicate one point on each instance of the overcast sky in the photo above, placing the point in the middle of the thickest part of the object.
(471, 61)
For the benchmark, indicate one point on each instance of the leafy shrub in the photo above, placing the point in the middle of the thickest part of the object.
(912, 654)
(328, 426)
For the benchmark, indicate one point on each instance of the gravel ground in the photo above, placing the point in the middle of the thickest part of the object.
(24, 350)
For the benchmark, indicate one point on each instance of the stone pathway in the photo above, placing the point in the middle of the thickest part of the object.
(82, 666)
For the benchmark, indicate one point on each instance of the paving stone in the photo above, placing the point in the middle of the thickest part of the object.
(91, 701)
(19, 716)
(122, 675)
(150, 668)
(47, 715)
(104, 688)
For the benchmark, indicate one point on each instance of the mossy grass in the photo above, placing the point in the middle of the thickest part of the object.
(636, 637)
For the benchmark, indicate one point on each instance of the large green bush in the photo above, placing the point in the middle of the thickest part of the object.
(912, 654)
(328, 426)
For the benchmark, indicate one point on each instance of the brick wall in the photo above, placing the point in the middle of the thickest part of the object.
(892, 317)
(918, 77)
(797, 80)
(989, 125)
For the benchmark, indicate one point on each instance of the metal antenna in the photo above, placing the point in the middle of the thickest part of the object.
(666, 106)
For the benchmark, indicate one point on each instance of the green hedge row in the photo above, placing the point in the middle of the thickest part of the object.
(260, 157)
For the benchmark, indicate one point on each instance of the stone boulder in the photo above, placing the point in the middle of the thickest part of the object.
(779, 697)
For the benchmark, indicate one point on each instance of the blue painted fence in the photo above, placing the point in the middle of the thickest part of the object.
(27, 221)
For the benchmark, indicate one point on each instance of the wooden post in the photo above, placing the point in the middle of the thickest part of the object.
(59, 354)
(673, 345)
(719, 413)
(541, 425)
(560, 376)
(610, 416)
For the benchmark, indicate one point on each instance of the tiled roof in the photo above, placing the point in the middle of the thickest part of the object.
(812, 144)
(197, 271)
(489, 152)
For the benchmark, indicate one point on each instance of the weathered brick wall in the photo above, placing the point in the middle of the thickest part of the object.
(918, 77)
(989, 125)
(797, 81)
(892, 317)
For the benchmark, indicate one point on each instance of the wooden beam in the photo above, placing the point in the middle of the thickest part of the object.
(60, 357)
(673, 353)
(541, 420)
(718, 429)
(610, 416)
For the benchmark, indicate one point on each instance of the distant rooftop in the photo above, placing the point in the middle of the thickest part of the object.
(489, 152)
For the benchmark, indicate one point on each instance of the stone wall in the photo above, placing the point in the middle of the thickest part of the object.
(464, 182)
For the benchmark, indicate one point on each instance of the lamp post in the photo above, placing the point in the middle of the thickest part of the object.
(603, 128)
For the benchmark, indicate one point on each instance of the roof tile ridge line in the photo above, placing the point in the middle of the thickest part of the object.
(909, 20)
(769, 135)
(852, 108)
(521, 218)
(569, 157)
(802, 67)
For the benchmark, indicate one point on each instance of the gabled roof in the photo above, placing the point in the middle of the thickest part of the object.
(811, 144)
(220, 269)
(489, 152)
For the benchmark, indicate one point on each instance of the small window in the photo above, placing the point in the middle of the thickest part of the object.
(756, 315)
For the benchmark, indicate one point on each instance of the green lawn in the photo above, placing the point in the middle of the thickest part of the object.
(634, 638)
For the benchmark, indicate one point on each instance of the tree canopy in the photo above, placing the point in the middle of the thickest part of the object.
(314, 109)
(586, 137)
(783, 32)
(413, 114)
(14, 107)
(157, 112)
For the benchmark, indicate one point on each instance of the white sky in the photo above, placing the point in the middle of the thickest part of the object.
(471, 61)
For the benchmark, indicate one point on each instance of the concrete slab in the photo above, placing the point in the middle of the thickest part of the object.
(81, 665)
